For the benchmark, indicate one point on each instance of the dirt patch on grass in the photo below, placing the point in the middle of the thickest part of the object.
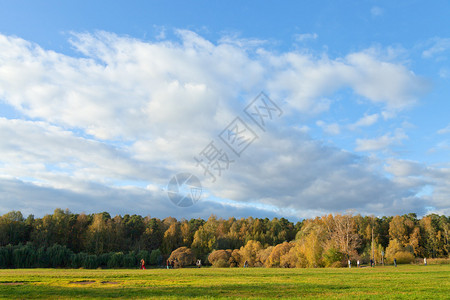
(109, 282)
(12, 283)
(82, 282)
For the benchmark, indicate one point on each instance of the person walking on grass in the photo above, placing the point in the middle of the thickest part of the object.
(425, 261)
(357, 263)
(395, 262)
(349, 264)
(142, 264)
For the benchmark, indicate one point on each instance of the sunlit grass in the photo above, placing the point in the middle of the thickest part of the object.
(407, 281)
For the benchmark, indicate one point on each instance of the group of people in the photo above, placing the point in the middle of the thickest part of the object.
(358, 263)
(170, 264)
(372, 262)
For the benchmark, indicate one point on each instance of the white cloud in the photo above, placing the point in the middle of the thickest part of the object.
(133, 113)
(444, 73)
(380, 143)
(384, 82)
(376, 11)
(404, 168)
(439, 46)
(440, 146)
(332, 129)
(365, 121)
(444, 130)
(303, 175)
(305, 82)
(418, 178)
(51, 156)
(305, 36)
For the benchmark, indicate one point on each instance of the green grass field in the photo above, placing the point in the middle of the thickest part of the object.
(407, 281)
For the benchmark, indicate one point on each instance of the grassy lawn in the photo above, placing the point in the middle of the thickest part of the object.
(408, 281)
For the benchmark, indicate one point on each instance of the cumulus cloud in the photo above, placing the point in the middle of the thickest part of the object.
(306, 82)
(332, 129)
(381, 143)
(439, 45)
(418, 178)
(305, 36)
(303, 175)
(111, 127)
(402, 168)
(365, 121)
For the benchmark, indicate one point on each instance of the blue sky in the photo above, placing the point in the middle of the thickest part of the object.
(102, 103)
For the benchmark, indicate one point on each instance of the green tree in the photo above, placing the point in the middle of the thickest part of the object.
(12, 228)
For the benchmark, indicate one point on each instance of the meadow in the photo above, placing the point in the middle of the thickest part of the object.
(405, 281)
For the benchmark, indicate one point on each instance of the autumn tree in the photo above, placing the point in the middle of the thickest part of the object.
(182, 257)
(172, 238)
(220, 258)
(274, 259)
(342, 231)
(205, 238)
(97, 234)
(250, 252)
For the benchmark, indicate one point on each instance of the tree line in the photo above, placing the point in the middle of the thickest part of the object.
(65, 239)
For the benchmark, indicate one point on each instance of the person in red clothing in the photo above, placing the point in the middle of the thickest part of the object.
(142, 264)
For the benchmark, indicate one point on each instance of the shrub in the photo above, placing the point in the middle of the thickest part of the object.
(155, 257)
(263, 255)
(59, 256)
(249, 253)
(145, 255)
(90, 262)
(333, 258)
(129, 260)
(397, 251)
(221, 263)
(115, 260)
(277, 252)
(235, 258)
(182, 257)
(6, 256)
(103, 259)
(24, 256)
(437, 261)
(42, 258)
(76, 260)
(292, 258)
(394, 247)
(220, 258)
(404, 257)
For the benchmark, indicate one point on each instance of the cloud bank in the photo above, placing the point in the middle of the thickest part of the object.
(107, 129)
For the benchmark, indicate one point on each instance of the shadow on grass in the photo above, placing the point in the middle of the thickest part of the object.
(230, 290)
